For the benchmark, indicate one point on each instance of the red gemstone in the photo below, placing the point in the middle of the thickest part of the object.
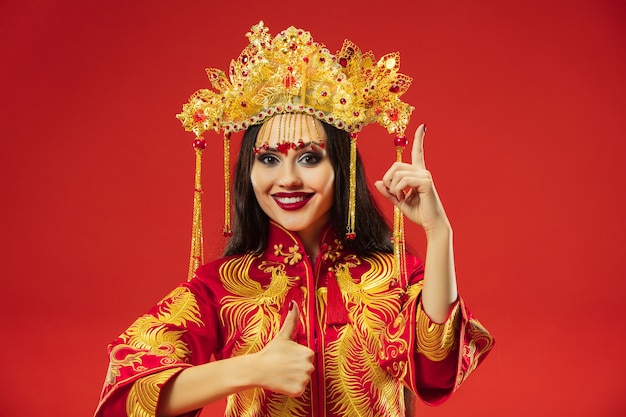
(227, 233)
(243, 104)
(343, 62)
(403, 297)
(324, 93)
(400, 141)
(283, 147)
(199, 116)
(342, 101)
(394, 88)
(199, 143)
(305, 59)
(289, 81)
(351, 236)
(356, 114)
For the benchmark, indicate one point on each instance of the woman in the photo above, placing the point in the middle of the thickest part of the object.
(303, 319)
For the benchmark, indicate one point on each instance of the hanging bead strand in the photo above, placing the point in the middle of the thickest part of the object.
(351, 229)
(197, 242)
(399, 249)
(227, 231)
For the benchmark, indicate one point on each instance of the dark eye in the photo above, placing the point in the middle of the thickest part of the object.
(267, 159)
(310, 158)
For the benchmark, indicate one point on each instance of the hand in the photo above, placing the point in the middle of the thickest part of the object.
(285, 366)
(411, 188)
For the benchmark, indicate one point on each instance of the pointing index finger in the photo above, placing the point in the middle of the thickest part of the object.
(417, 151)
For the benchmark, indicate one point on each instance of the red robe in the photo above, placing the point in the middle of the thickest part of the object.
(367, 327)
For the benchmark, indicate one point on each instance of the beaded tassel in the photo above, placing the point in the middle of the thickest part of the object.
(399, 249)
(227, 231)
(197, 243)
(351, 231)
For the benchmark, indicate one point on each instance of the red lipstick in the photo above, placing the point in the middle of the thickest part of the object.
(291, 201)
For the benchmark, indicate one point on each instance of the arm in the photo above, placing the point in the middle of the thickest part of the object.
(283, 366)
(410, 187)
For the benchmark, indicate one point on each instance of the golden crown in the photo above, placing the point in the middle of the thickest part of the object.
(294, 74)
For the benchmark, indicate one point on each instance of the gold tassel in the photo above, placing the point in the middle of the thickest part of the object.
(197, 243)
(399, 249)
(227, 231)
(351, 232)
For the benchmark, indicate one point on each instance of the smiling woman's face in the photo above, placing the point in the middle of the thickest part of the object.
(294, 187)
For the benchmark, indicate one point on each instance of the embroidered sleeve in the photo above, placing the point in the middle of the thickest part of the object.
(180, 331)
(144, 394)
(434, 340)
(447, 353)
(432, 359)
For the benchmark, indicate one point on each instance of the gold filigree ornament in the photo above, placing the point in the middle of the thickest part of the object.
(292, 73)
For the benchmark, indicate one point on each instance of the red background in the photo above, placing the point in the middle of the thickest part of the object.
(525, 106)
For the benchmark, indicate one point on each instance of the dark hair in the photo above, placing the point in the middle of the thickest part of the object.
(250, 223)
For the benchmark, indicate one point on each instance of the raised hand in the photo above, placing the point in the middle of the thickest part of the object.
(411, 188)
(285, 366)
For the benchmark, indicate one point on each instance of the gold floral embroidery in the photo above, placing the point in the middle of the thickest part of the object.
(144, 395)
(436, 340)
(292, 257)
(332, 253)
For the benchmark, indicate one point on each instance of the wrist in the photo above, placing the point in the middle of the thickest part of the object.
(441, 230)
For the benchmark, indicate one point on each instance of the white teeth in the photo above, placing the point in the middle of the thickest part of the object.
(289, 200)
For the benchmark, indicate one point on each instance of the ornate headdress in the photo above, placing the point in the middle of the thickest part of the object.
(292, 73)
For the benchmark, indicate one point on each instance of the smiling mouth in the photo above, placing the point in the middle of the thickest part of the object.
(292, 201)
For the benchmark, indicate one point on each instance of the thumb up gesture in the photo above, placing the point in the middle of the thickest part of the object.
(285, 366)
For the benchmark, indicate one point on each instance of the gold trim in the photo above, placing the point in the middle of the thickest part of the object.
(434, 340)
(143, 397)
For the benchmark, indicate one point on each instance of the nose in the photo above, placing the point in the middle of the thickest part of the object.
(289, 177)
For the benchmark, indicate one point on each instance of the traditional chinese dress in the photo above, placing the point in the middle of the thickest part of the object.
(368, 329)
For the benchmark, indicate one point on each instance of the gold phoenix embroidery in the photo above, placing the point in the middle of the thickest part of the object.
(150, 334)
(252, 316)
(351, 363)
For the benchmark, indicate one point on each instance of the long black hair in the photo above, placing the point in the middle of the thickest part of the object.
(250, 223)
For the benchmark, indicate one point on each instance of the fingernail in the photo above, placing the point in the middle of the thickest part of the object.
(292, 304)
(424, 127)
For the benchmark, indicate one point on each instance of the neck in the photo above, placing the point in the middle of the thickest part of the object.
(310, 239)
